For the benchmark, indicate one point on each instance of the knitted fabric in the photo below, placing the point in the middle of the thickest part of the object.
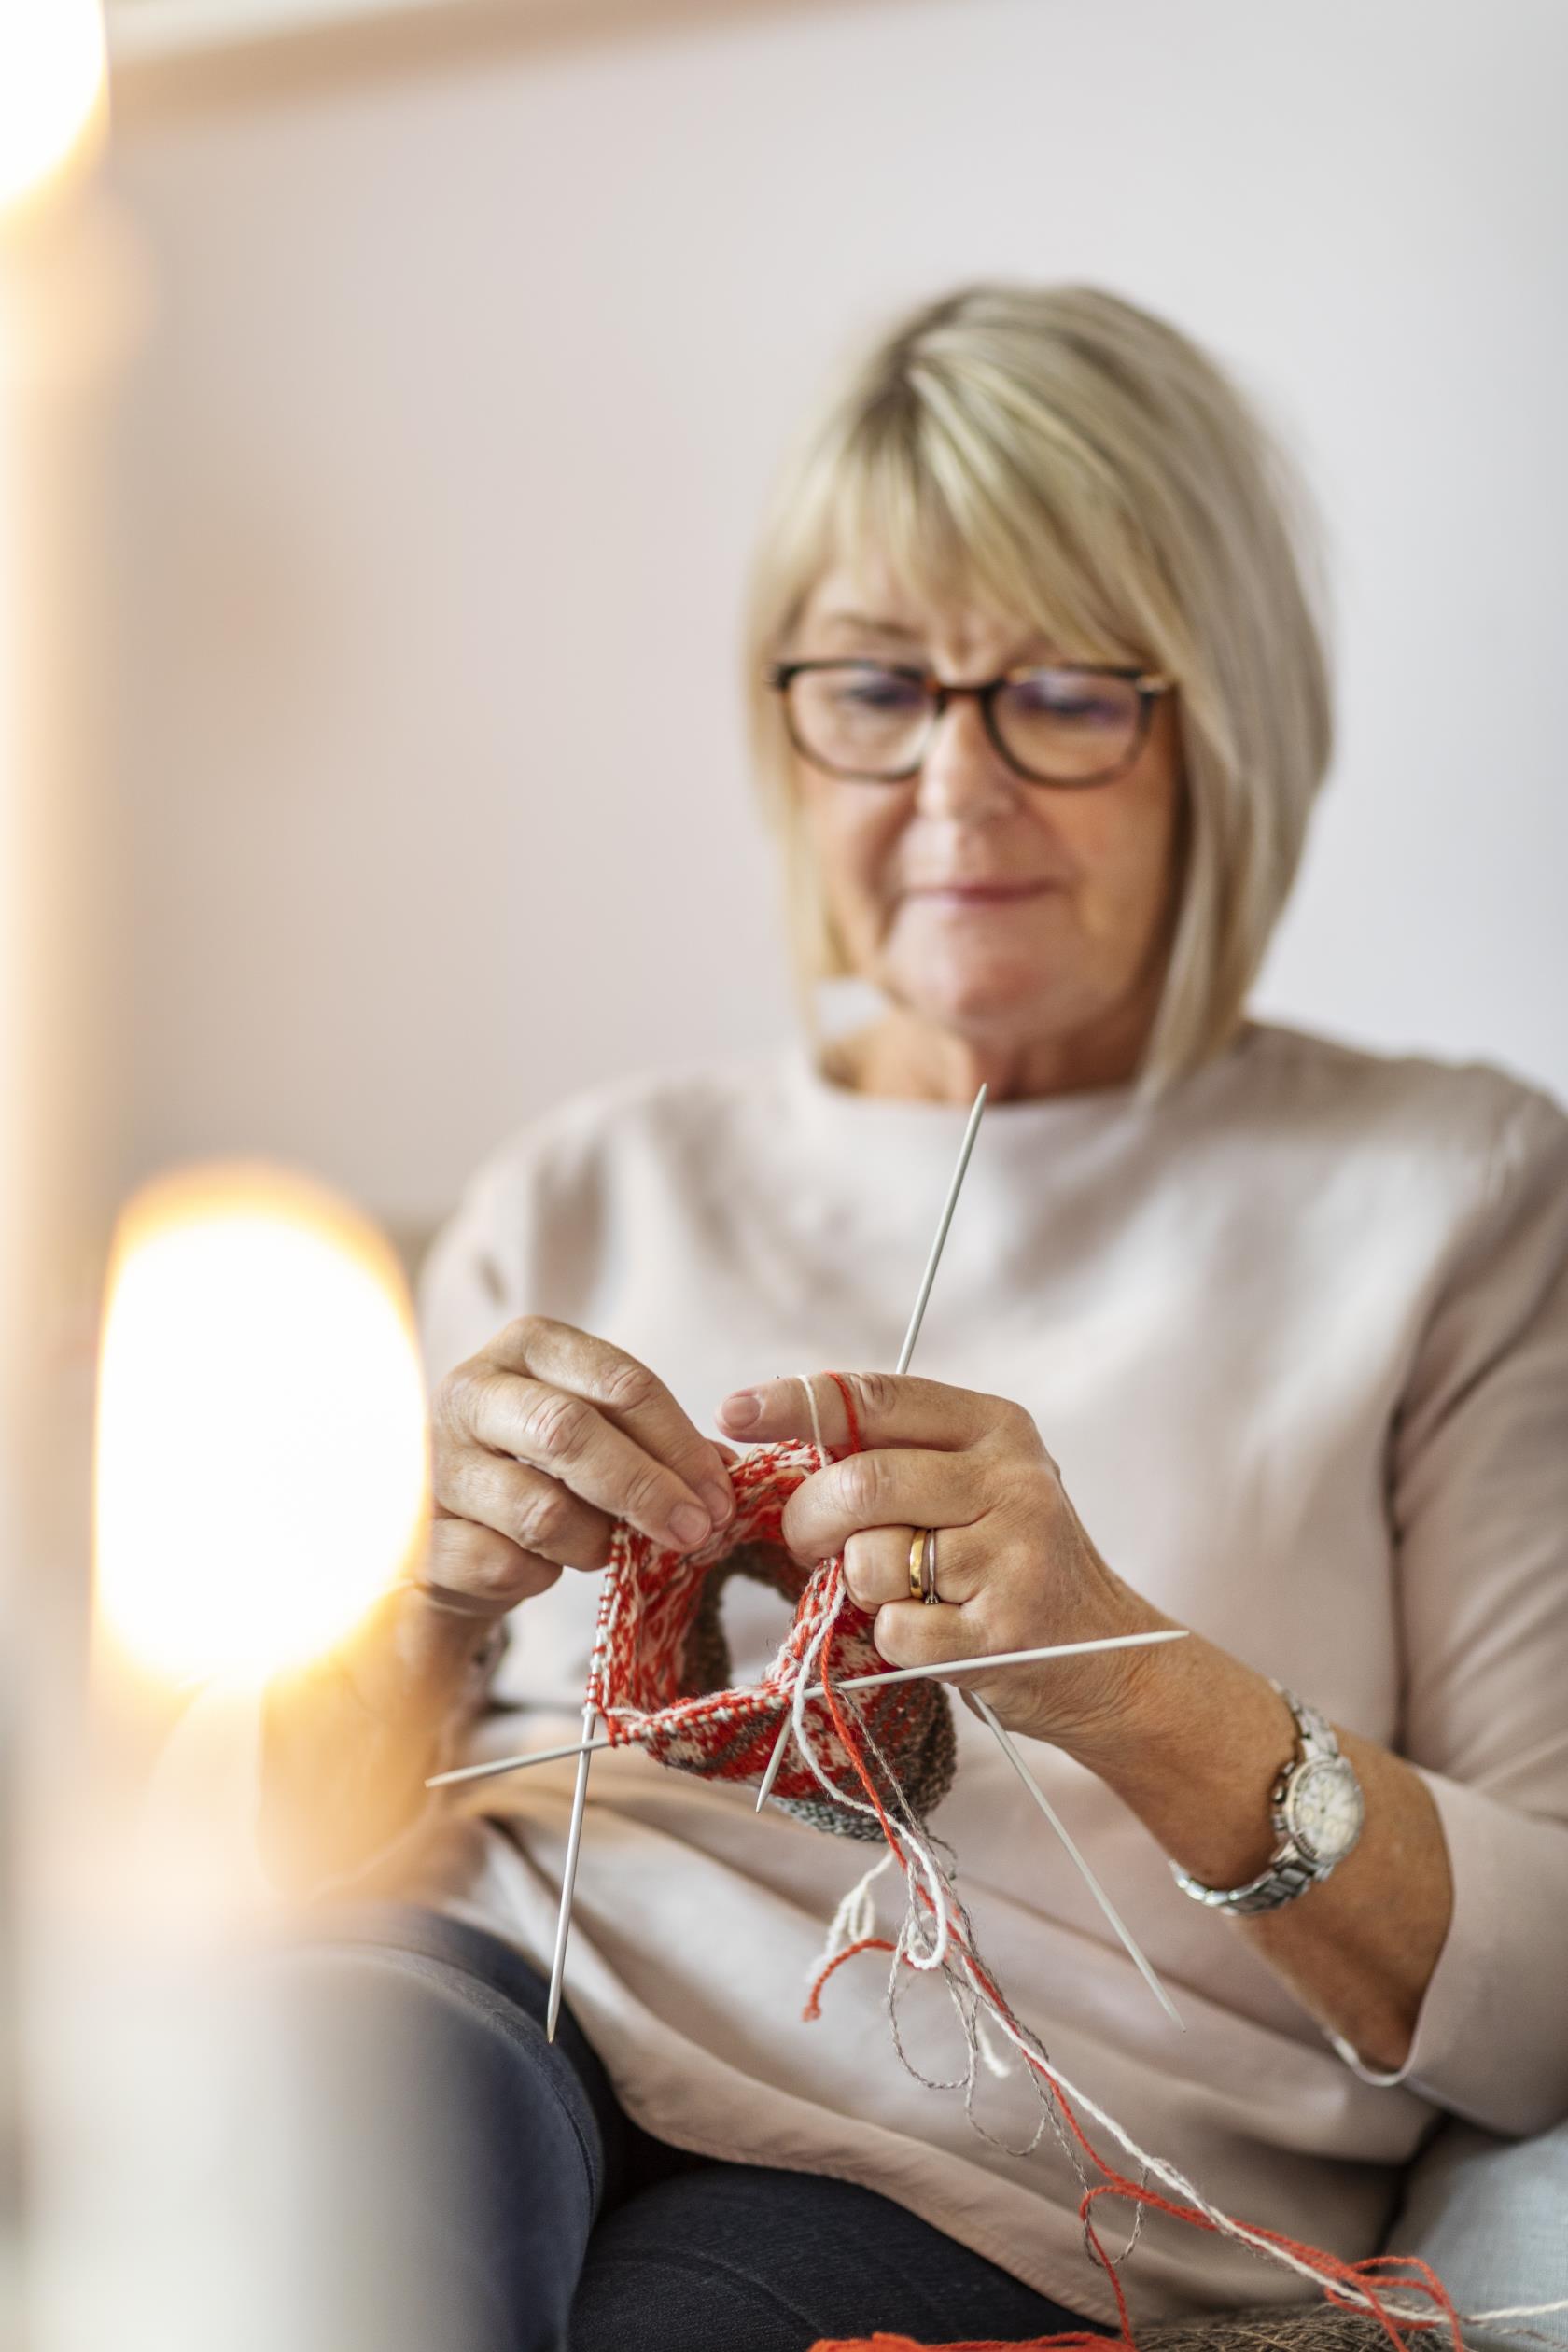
(659, 1673)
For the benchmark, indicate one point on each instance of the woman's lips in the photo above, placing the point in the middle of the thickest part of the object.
(978, 893)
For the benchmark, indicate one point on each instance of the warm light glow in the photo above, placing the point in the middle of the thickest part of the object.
(52, 84)
(262, 1448)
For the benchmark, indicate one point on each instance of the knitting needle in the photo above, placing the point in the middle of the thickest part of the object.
(1003, 1658)
(1005, 1741)
(568, 1878)
(927, 1279)
(852, 1682)
(986, 1715)
(580, 1794)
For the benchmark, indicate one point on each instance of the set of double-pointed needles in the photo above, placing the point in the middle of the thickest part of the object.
(584, 1749)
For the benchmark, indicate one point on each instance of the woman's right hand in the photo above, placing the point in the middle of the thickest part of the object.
(539, 1444)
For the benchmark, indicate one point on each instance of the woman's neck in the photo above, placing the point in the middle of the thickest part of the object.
(900, 1054)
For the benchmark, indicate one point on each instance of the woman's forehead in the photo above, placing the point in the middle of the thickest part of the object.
(872, 596)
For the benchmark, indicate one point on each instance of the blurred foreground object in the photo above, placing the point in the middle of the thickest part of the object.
(261, 1453)
(166, 2116)
(263, 1497)
(53, 101)
(261, 1482)
(69, 290)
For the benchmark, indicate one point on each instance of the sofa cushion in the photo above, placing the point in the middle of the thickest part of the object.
(1491, 2216)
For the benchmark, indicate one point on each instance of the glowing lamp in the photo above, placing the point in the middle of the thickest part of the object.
(53, 87)
(261, 1452)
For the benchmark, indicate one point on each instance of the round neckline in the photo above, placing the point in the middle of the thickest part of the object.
(916, 1123)
(1087, 1105)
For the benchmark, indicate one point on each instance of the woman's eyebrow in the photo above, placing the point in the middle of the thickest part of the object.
(1034, 649)
(869, 622)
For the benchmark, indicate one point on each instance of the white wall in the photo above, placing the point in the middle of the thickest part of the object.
(444, 464)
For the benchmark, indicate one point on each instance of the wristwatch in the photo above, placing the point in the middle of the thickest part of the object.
(1318, 1810)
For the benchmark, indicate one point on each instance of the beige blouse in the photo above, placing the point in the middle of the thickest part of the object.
(1298, 1337)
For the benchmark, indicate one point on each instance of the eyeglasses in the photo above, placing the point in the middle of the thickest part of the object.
(872, 722)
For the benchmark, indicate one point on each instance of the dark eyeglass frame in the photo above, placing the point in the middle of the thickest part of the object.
(1150, 685)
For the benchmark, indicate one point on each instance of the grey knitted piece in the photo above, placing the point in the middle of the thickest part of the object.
(707, 1666)
(1320, 2327)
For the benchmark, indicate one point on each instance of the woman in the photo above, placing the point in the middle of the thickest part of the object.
(1042, 710)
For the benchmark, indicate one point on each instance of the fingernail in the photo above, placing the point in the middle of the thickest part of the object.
(720, 1501)
(742, 1410)
(689, 1525)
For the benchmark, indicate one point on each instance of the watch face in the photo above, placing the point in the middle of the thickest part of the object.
(1324, 1808)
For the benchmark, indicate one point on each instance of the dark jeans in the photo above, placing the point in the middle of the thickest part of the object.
(533, 2215)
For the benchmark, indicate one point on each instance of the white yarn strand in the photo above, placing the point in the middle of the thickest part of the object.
(817, 1438)
(855, 1919)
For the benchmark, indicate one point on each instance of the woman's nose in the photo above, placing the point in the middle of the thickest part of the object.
(962, 774)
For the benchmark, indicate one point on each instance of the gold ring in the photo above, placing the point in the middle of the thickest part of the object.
(917, 1536)
(929, 1592)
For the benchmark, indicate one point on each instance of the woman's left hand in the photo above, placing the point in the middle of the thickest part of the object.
(1014, 1567)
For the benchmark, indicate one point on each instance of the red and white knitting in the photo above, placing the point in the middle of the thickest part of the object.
(660, 1670)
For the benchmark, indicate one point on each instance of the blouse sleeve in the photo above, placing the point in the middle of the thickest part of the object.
(1479, 1503)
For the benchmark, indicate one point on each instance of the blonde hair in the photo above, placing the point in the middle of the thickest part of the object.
(1063, 458)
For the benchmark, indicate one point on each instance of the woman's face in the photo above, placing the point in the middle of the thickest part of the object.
(1014, 915)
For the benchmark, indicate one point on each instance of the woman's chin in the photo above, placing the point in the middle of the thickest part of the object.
(998, 1006)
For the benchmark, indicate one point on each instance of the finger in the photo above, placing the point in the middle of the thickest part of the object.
(533, 1511)
(894, 1488)
(573, 1443)
(891, 1408)
(634, 1399)
(480, 1566)
(908, 1633)
(877, 1566)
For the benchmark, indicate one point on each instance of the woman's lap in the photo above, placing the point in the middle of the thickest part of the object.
(565, 2228)
(735, 2258)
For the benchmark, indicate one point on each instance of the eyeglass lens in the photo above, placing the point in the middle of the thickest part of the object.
(1062, 725)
